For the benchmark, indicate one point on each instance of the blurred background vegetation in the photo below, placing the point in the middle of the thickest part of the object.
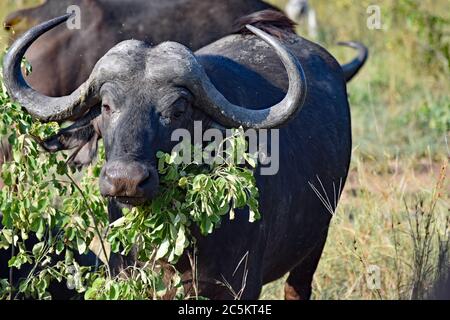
(394, 212)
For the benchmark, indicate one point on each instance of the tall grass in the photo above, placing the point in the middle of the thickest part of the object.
(394, 213)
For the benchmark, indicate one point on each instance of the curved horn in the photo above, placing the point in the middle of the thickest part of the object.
(231, 115)
(351, 69)
(38, 105)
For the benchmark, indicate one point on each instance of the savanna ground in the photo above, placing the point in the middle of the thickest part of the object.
(390, 235)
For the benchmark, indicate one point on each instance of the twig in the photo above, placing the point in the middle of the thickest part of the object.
(11, 271)
(99, 234)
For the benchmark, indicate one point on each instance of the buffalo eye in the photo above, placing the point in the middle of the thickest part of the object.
(179, 108)
(177, 114)
(106, 108)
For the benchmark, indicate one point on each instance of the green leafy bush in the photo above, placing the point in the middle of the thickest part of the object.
(44, 198)
(190, 193)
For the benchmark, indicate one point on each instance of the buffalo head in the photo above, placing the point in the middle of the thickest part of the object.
(134, 98)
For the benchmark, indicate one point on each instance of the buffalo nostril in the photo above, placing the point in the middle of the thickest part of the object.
(124, 179)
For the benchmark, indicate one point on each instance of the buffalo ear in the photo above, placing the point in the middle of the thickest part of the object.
(86, 154)
(82, 135)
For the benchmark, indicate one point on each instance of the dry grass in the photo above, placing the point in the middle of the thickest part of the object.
(394, 213)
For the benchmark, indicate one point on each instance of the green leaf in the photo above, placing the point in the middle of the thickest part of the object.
(59, 247)
(68, 259)
(8, 234)
(114, 291)
(180, 242)
(183, 182)
(37, 248)
(41, 229)
(81, 245)
(163, 249)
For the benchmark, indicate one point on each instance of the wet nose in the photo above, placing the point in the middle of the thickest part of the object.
(124, 179)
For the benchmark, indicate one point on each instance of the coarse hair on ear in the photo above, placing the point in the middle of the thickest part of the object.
(271, 21)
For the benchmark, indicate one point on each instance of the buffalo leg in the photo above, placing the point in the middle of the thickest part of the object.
(298, 284)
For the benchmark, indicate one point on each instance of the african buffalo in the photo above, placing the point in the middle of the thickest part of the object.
(441, 289)
(138, 94)
(104, 23)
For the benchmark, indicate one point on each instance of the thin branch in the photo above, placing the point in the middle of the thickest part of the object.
(97, 230)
